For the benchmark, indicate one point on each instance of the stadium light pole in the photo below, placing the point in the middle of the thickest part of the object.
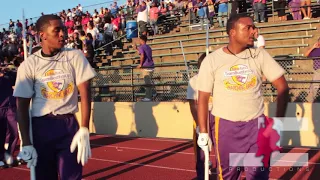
(185, 61)
(207, 39)
(25, 52)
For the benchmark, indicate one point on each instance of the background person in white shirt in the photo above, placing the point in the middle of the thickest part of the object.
(192, 97)
(52, 78)
(259, 40)
(142, 18)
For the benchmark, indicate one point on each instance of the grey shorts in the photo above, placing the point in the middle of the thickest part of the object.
(142, 26)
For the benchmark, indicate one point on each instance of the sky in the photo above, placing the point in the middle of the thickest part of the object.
(12, 9)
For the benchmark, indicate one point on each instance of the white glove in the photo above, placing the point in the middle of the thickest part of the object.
(204, 141)
(29, 155)
(81, 140)
(278, 126)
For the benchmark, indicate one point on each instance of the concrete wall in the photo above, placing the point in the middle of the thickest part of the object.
(174, 120)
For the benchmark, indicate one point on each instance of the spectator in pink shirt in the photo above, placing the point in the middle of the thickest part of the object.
(69, 23)
(163, 9)
(153, 18)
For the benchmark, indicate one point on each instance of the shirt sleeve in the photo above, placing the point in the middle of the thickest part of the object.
(205, 80)
(191, 91)
(270, 67)
(24, 81)
(141, 50)
(82, 68)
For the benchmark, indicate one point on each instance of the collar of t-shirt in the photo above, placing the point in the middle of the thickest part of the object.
(55, 57)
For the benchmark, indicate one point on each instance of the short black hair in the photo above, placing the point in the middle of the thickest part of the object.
(233, 20)
(44, 21)
(144, 38)
(201, 58)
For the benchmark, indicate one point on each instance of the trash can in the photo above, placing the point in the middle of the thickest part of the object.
(132, 29)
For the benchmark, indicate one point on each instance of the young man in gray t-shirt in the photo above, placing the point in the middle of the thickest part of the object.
(233, 74)
(50, 79)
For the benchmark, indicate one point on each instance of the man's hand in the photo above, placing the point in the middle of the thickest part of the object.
(81, 140)
(204, 142)
(29, 155)
(316, 45)
(134, 46)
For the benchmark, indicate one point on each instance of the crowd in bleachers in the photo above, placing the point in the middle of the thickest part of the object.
(89, 31)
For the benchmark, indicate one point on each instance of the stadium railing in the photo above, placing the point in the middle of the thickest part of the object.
(125, 84)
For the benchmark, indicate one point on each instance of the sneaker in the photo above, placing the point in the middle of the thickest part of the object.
(2, 165)
(146, 100)
(8, 158)
(19, 158)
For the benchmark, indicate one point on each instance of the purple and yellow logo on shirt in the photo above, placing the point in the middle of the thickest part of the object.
(242, 78)
(56, 85)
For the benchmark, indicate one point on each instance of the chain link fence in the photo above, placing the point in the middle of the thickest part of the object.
(170, 83)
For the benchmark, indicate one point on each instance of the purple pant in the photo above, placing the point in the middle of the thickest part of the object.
(12, 136)
(236, 137)
(3, 130)
(52, 137)
(200, 153)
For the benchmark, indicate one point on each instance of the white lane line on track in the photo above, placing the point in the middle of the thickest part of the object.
(142, 149)
(23, 169)
(187, 140)
(147, 139)
(146, 165)
(309, 163)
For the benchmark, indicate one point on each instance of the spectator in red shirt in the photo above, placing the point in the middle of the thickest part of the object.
(19, 24)
(153, 18)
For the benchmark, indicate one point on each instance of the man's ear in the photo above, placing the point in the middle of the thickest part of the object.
(232, 32)
(42, 35)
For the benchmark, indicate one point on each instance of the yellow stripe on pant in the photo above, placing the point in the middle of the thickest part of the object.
(216, 136)
(195, 145)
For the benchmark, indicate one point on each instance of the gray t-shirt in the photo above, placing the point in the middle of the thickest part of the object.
(236, 83)
(52, 82)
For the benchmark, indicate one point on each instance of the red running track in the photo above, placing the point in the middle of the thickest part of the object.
(127, 158)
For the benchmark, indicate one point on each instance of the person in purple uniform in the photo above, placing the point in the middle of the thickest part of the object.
(233, 74)
(8, 121)
(50, 79)
(12, 136)
(146, 62)
(314, 53)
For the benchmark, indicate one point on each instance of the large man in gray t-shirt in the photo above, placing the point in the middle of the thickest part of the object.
(233, 74)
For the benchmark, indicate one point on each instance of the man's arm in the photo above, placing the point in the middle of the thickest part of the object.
(203, 111)
(283, 95)
(193, 109)
(141, 59)
(311, 49)
(85, 94)
(23, 119)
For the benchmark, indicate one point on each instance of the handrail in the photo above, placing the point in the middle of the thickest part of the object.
(183, 83)
(284, 58)
(146, 67)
